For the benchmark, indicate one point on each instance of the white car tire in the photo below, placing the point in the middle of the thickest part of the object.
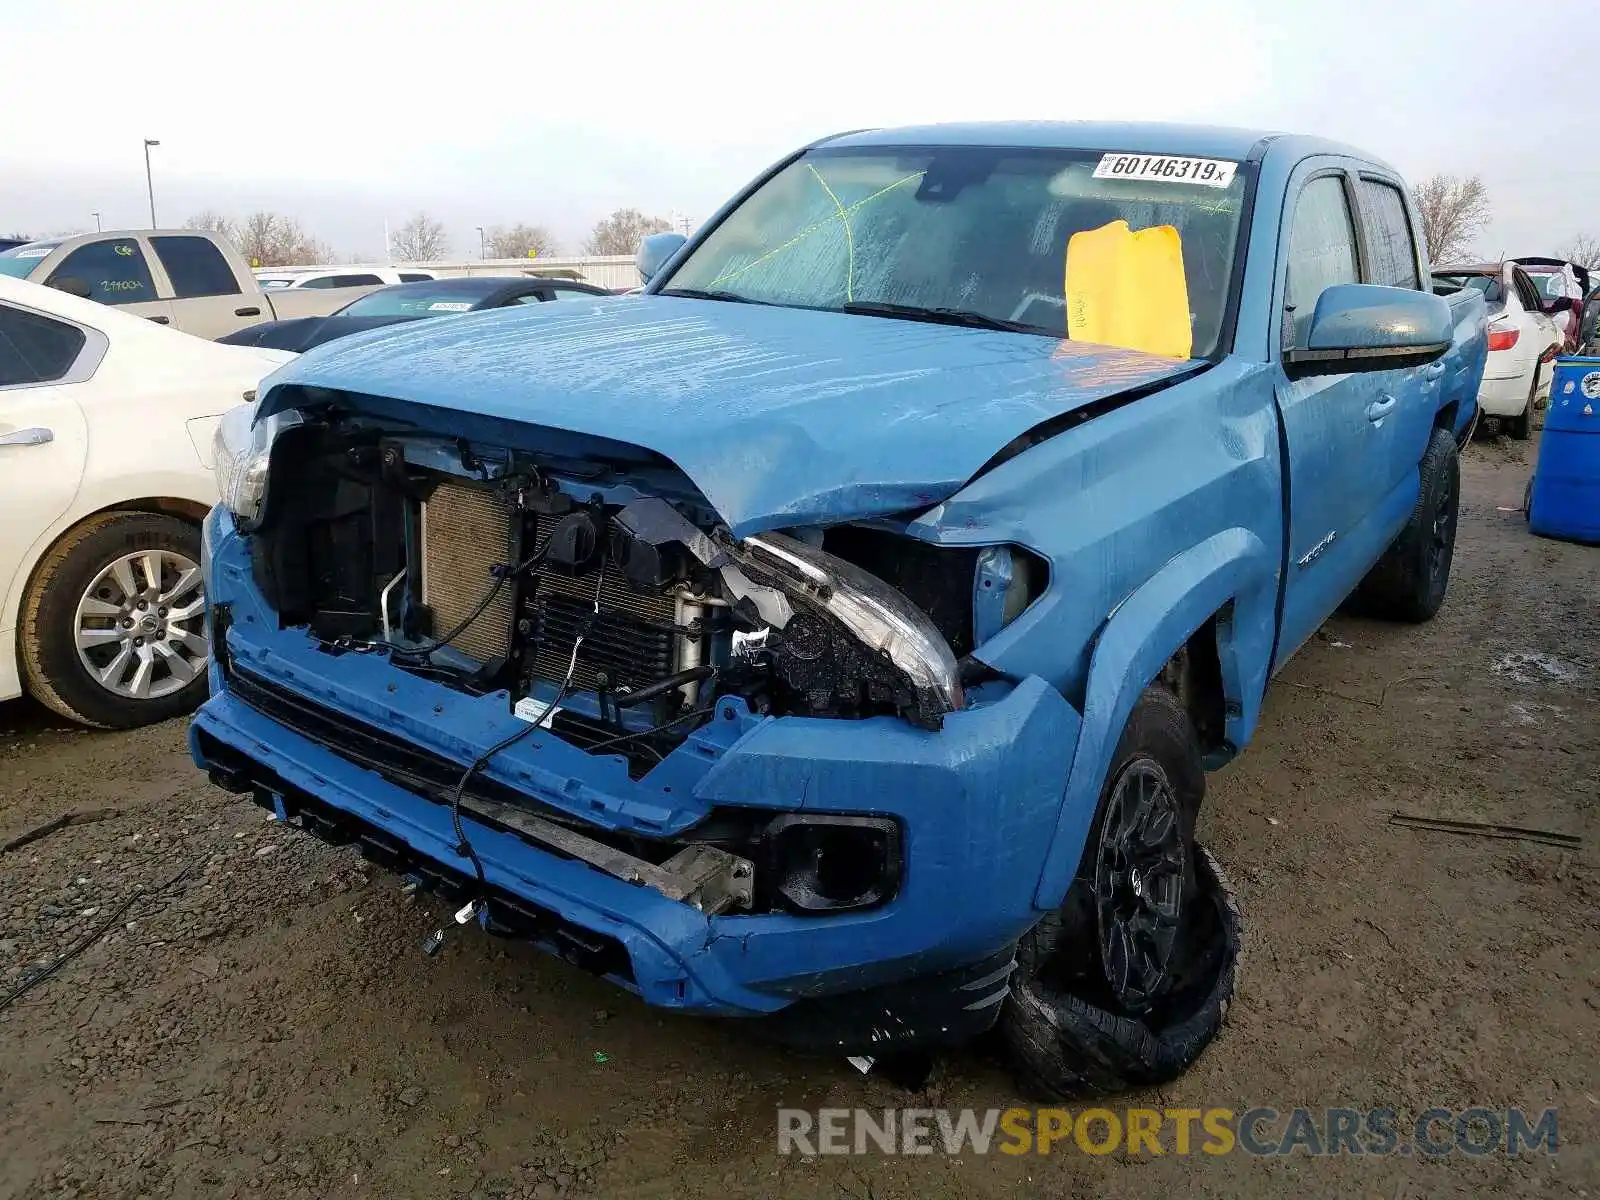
(113, 624)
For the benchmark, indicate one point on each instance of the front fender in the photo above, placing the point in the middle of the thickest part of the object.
(1139, 636)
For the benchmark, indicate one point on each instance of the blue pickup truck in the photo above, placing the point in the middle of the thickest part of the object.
(825, 634)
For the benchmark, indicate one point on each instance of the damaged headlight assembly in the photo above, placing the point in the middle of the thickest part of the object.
(884, 625)
(241, 448)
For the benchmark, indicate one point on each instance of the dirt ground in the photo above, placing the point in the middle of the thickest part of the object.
(269, 1027)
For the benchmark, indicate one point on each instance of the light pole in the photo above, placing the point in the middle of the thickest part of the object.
(148, 183)
(483, 253)
(96, 217)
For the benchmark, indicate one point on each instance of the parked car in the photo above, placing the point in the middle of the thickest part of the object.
(824, 636)
(186, 278)
(1589, 324)
(411, 302)
(106, 426)
(1561, 285)
(342, 277)
(1523, 340)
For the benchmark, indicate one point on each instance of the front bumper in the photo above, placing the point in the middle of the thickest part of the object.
(978, 804)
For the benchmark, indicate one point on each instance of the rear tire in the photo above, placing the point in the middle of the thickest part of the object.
(104, 644)
(1410, 581)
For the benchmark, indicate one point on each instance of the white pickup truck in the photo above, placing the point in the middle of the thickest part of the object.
(186, 278)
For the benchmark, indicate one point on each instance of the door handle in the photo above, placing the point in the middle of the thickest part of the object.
(1380, 408)
(247, 312)
(160, 320)
(37, 436)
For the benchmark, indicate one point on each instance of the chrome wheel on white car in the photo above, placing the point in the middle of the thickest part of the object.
(113, 623)
(141, 625)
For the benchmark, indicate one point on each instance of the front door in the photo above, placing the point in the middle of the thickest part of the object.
(116, 271)
(1338, 428)
(44, 439)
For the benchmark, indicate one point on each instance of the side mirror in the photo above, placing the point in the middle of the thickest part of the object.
(1368, 327)
(73, 286)
(654, 252)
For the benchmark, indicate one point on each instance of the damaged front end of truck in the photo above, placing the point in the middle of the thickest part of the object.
(698, 709)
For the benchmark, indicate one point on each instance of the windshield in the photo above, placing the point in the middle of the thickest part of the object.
(19, 261)
(973, 230)
(411, 300)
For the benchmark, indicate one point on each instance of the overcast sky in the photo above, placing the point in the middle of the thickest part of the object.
(495, 111)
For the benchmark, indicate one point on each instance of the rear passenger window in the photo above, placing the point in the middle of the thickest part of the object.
(1322, 251)
(114, 269)
(35, 348)
(1391, 249)
(195, 266)
(354, 280)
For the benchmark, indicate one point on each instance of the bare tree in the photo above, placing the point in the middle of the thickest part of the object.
(1454, 211)
(622, 231)
(1584, 249)
(419, 240)
(213, 222)
(516, 241)
(270, 239)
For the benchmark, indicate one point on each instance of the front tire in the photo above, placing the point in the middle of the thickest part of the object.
(1410, 581)
(1103, 996)
(113, 623)
(1064, 1047)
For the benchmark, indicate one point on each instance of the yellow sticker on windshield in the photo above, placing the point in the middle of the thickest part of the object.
(1127, 288)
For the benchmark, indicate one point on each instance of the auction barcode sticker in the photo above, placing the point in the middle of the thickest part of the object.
(1166, 168)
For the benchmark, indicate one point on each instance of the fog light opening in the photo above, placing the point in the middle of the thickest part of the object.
(836, 864)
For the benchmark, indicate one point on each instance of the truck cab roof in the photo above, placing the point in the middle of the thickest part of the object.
(1140, 137)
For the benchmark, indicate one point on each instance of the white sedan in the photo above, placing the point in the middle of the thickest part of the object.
(1523, 341)
(106, 423)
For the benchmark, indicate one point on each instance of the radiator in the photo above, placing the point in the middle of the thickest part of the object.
(636, 639)
(465, 531)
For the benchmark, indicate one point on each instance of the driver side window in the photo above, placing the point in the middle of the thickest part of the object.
(1322, 252)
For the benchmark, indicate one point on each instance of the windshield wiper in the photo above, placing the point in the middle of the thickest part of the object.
(939, 316)
(710, 294)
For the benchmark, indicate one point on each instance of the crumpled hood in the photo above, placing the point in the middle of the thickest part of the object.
(780, 416)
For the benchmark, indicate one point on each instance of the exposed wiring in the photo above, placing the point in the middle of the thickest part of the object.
(464, 845)
(639, 733)
(90, 938)
(502, 575)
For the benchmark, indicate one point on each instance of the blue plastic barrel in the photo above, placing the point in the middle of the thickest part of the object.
(1564, 501)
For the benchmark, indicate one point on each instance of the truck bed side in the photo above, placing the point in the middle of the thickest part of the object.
(1464, 362)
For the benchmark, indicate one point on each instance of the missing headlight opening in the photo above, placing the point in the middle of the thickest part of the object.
(482, 570)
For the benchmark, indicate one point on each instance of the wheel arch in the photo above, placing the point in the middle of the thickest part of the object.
(1203, 624)
(184, 508)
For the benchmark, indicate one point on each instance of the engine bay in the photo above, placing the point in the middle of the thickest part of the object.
(614, 616)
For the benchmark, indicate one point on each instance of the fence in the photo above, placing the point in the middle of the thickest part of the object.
(607, 271)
